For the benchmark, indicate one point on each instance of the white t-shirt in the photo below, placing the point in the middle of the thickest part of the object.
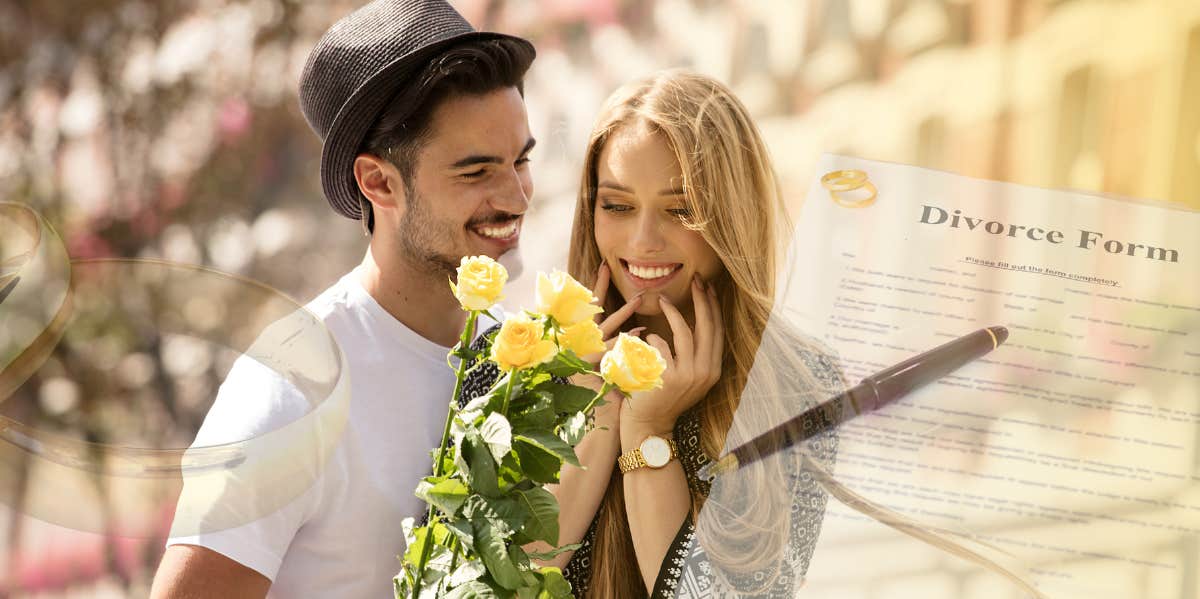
(340, 537)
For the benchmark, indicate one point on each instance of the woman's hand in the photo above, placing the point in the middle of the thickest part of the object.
(609, 325)
(583, 488)
(692, 368)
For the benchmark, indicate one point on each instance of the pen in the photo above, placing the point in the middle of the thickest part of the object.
(8, 287)
(873, 392)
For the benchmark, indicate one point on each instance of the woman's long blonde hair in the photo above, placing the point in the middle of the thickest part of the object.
(734, 201)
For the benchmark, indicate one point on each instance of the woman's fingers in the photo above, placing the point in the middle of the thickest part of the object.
(718, 326)
(663, 348)
(609, 326)
(600, 289)
(703, 335)
(682, 335)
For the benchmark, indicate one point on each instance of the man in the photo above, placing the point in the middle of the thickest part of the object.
(426, 142)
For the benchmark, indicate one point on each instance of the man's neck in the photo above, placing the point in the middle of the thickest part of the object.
(420, 301)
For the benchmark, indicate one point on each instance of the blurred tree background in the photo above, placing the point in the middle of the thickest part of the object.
(170, 129)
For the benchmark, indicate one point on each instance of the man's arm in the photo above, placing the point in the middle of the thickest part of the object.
(193, 572)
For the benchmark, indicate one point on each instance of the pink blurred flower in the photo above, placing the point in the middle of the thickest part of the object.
(233, 120)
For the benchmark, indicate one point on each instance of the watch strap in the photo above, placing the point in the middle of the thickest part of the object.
(633, 459)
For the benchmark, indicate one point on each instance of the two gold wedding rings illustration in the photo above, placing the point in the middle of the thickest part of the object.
(850, 188)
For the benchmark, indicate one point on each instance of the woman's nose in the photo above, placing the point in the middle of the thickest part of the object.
(647, 234)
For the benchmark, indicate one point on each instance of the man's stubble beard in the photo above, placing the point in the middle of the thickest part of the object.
(417, 236)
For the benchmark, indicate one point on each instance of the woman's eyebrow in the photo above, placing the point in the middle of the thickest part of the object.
(671, 191)
(617, 186)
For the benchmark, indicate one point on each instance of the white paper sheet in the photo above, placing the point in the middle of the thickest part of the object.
(1073, 446)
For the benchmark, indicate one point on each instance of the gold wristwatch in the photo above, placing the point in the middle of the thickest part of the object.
(653, 452)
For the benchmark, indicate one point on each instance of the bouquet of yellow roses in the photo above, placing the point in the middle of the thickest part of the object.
(486, 497)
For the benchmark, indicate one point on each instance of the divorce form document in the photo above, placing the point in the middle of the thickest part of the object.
(1072, 449)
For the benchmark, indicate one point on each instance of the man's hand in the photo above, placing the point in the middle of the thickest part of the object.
(192, 572)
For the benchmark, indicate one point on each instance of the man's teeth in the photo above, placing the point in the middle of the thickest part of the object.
(655, 272)
(498, 232)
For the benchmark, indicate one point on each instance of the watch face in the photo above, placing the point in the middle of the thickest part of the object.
(656, 452)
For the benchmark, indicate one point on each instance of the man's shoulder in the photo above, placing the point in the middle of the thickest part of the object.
(338, 297)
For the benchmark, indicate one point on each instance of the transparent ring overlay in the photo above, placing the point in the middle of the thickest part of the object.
(107, 369)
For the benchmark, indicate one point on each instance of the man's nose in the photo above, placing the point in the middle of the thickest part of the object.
(512, 195)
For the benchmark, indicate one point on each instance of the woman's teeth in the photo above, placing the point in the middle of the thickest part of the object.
(498, 232)
(653, 272)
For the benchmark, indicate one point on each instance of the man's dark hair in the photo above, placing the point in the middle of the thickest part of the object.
(472, 68)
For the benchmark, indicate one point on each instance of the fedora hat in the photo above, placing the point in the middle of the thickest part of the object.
(356, 68)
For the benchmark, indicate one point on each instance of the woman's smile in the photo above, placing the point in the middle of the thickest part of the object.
(641, 221)
(649, 275)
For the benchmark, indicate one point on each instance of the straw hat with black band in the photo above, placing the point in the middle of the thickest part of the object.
(357, 67)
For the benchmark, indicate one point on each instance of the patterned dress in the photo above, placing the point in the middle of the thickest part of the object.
(686, 572)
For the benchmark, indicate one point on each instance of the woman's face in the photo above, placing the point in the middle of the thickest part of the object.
(638, 221)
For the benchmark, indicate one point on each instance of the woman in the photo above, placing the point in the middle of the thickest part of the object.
(676, 228)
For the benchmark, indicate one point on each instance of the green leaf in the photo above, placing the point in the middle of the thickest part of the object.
(496, 432)
(456, 455)
(545, 556)
(506, 513)
(543, 515)
(420, 536)
(481, 468)
(574, 428)
(537, 379)
(550, 443)
(539, 415)
(465, 573)
(490, 545)
(554, 586)
(462, 529)
(473, 590)
(539, 464)
(464, 353)
(510, 474)
(446, 496)
(569, 398)
(531, 583)
(518, 557)
(565, 364)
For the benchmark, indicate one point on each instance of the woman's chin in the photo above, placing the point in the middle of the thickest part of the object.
(649, 308)
(650, 305)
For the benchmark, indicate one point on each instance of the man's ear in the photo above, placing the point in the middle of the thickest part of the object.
(379, 180)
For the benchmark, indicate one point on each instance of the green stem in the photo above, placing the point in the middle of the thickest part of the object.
(512, 376)
(604, 389)
(464, 341)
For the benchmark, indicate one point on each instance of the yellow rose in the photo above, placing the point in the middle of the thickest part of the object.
(521, 344)
(583, 338)
(480, 282)
(563, 298)
(633, 365)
